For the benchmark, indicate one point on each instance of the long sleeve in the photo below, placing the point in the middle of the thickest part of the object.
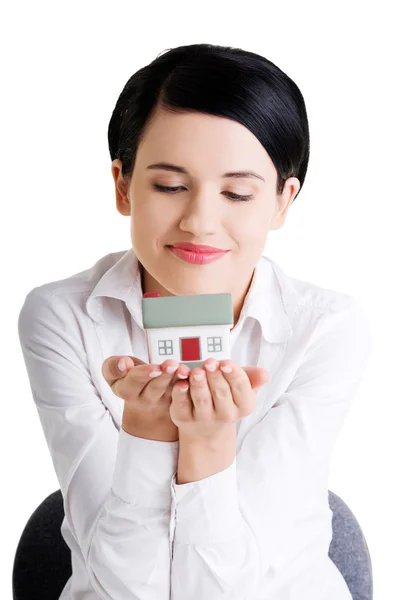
(261, 528)
(116, 487)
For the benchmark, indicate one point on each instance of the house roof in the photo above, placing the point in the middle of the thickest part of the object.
(182, 311)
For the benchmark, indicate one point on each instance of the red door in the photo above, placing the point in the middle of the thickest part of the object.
(190, 348)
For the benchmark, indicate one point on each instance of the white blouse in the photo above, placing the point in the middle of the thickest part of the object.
(260, 529)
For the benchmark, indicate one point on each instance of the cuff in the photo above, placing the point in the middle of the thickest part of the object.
(206, 511)
(144, 470)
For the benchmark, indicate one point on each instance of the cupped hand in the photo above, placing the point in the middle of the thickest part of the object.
(145, 388)
(203, 409)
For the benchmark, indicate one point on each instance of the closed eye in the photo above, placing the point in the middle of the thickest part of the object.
(231, 196)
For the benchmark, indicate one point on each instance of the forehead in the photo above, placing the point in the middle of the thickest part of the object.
(192, 138)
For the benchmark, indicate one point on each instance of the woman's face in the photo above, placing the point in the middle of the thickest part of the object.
(201, 210)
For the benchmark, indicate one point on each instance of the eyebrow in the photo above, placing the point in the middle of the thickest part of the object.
(169, 167)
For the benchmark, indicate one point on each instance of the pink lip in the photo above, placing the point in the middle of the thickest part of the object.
(197, 258)
(197, 247)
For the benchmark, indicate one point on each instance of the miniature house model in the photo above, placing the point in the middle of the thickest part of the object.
(188, 329)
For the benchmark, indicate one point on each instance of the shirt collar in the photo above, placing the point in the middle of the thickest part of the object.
(264, 300)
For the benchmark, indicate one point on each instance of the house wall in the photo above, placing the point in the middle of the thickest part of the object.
(175, 333)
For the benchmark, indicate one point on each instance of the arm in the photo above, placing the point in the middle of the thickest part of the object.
(262, 526)
(139, 426)
(200, 460)
(115, 486)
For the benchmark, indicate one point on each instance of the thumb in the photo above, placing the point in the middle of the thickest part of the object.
(257, 376)
(130, 361)
(111, 367)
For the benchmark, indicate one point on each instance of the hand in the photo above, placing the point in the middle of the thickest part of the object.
(207, 407)
(146, 388)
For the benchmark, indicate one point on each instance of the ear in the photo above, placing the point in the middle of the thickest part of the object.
(121, 188)
(283, 202)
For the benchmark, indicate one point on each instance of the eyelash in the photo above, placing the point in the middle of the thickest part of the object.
(235, 198)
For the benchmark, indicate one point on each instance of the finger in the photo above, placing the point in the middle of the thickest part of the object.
(200, 394)
(181, 373)
(135, 380)
(220, 389)
(111, 367)
(258, 376)
(160, 379)
(181, 405)
(239, 383)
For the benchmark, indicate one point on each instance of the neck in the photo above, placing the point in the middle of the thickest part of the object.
(149, 284)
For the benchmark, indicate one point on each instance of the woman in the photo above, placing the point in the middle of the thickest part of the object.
(212, 488)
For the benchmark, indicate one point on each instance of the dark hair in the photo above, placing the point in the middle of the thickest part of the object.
(218, 80)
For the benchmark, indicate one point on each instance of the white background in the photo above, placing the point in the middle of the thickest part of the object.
(63, 67)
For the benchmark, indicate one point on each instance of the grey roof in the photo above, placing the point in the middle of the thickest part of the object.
(181, 311)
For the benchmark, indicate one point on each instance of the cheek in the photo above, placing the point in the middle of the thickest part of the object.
(251, 226)
(150, 221)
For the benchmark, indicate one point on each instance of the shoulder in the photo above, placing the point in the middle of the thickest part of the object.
(82, 282)
(67, 296)
(307, 296)
(302, 293)
(314, 307)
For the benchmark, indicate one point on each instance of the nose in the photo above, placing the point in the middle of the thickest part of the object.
(201, 215)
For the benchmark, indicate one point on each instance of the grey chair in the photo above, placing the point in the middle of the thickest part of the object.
(42, 563)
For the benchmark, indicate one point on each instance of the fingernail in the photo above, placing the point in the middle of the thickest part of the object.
(226, 369)
(183, 376)
(155, 374)
(210, 366)
(171, 369)
(122, 365)
(199, 376)
(184, 388)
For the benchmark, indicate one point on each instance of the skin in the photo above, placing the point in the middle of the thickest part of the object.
(201, 211)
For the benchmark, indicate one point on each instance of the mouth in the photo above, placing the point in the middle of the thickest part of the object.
(197, 258)
(197, 247)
